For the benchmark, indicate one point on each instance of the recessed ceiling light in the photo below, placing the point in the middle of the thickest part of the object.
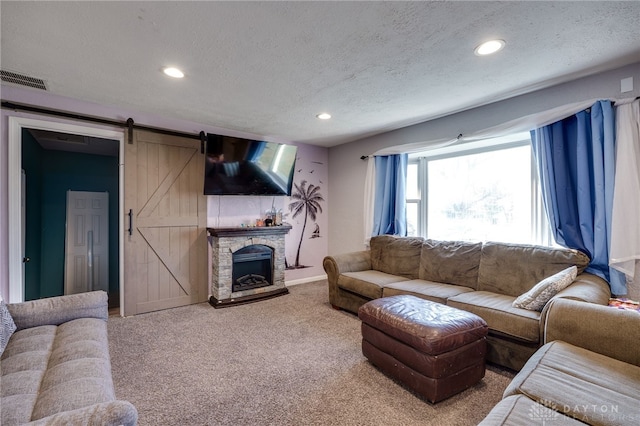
(173, 72)
(489, 47)
(324, 116)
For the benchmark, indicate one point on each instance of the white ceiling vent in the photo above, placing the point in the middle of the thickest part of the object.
(22, 80)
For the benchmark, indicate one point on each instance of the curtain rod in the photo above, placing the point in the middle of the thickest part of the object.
(126, 124)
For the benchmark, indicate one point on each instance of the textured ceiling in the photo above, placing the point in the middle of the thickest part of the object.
(267, 68)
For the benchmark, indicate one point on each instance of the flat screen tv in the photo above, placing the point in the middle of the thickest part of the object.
(236, 166)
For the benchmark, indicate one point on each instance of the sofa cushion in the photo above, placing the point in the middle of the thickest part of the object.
(500, 315)
(396, 255)
(79, 369)
(586, 385)
(451, 262)
(520, 410)
(23, 365)
(51, 369)
(7, 326)
(16, 409)
(513, 269)
(29, 350)
(436, 292)
(367, 283)
(541, 293)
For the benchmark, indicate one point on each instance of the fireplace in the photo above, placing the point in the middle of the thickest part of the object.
(246, 264)
(252, 267)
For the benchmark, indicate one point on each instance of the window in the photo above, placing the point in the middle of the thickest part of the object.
(483, 191)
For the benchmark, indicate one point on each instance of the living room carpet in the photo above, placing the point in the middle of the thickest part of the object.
(291, 360)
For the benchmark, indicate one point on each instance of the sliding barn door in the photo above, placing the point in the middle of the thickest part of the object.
(165, 241)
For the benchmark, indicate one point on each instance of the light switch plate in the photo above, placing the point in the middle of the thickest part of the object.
(626, 85)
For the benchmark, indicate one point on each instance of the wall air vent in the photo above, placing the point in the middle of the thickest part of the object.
(22, 80)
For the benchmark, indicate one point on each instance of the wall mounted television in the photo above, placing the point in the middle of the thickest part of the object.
(236, 166)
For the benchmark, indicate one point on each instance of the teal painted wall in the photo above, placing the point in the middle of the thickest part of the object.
(59, 172)
(32, 165)
(63, 171)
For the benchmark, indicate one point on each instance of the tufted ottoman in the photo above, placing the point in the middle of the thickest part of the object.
(433, 349)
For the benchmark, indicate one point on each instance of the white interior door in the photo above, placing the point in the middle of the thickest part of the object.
(87, 242)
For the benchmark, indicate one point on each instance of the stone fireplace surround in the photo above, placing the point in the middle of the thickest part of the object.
(223, 242)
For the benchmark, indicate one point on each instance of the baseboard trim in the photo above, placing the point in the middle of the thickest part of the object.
(305, 280)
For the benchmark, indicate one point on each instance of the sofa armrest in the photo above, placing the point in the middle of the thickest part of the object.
(341, 263)
(347, 262)
(113, 413)
(602, 329)
(60, 309)
(585, 288)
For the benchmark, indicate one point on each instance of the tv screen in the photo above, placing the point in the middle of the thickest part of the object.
(236, 166)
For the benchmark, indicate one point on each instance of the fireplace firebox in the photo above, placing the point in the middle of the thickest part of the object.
(252, 268)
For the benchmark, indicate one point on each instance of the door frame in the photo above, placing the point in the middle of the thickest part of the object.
(16, 125)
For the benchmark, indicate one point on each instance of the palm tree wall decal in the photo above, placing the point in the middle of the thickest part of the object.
(307, 200)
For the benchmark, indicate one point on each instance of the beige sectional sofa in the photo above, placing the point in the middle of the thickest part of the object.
(588, 371)
(482, 278)
(55, 368)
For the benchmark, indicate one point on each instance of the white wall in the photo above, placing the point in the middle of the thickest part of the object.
(312, 168)
(348, 171)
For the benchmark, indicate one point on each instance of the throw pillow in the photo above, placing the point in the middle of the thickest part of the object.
(541, 293)
(7, 326)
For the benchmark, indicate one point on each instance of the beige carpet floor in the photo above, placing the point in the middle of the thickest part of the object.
(291, 360)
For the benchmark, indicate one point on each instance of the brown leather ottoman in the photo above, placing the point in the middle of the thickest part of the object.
(433, 349)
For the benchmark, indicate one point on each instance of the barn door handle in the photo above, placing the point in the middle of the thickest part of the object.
(130, 230)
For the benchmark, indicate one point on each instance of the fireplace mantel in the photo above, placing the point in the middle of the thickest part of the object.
(223, 242)
(249, 231)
